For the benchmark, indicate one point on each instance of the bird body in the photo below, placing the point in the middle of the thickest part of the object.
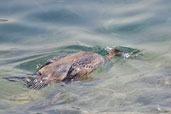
(67, 68)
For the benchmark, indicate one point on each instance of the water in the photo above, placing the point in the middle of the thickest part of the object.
(33, 31)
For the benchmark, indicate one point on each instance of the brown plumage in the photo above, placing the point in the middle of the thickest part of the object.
(67, 68)
(71, 67)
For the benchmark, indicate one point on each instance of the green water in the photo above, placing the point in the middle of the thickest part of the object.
(33, 31)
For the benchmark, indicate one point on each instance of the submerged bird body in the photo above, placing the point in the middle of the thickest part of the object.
(68, 68)
(71, 67)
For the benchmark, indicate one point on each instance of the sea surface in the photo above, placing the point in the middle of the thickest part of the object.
(33, 31)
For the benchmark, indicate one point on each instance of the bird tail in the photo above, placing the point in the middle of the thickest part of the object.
(14, 78)
(30, 82)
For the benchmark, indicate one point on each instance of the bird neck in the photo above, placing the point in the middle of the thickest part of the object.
(112, 53)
